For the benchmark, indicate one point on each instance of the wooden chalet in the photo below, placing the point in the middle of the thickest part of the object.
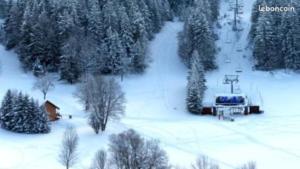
(52, 110)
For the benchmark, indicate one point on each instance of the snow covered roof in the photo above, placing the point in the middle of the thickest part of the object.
(51, 104)
(230, 94)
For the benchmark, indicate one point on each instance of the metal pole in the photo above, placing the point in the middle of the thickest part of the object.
(235, 14)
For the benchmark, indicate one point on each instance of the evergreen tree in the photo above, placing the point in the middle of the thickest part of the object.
(197, 35)
(203, 41)
(114, 53)
(3, 8)
(25, 46)
(265, 49)
(6, 110)
(185, 45)
(254, 19)
(214, 7)
(275, 37)
(155, 16)
(125, 31)
(69, 69)
(139, 58)
(144, 9)
(45, 41)
(78, 37)
(196, 84)
(205, 7)
(291, 40)
(41, 122)
(21, 114)
(12, 25)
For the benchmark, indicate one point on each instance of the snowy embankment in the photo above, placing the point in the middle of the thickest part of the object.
(156, 109)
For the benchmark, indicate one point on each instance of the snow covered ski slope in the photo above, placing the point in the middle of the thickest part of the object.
(156, 109)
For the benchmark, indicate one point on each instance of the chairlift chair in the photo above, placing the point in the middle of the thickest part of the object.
(240, 29)
(228, 40)
(227, 59)
(239, 48)
(239, 69)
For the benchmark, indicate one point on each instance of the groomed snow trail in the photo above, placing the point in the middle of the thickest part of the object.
(152, 94)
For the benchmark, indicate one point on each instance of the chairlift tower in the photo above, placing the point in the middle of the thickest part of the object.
(231, 79)
(238, 10)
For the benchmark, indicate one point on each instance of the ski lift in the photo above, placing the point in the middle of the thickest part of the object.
(227, 59)
(228, 40)
(239, 69)
(239, 29)
(228, 19)
(239, 48)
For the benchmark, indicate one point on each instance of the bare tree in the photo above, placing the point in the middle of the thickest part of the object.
(104, 99)
(44, 84)
(130, 151)
(249, 165)
(83, 90)
(204, 163)
(68, 154)
(100, 160)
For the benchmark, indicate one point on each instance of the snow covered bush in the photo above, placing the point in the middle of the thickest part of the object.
(22, 114)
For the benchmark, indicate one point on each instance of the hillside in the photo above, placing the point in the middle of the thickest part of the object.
(156, 108)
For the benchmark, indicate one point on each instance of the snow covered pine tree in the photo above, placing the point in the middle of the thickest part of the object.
(197, 35)
(79, 37)
(196, 85)
(6, 111)
(275, 37)
(22, 114)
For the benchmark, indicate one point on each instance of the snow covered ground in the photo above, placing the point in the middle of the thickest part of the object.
(156, 109)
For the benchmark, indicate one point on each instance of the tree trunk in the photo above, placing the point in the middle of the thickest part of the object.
(87, 107)
(103, 126)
